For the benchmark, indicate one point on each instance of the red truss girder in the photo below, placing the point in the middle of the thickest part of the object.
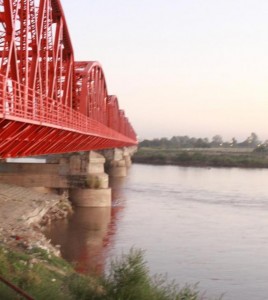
(48, 102)
(18, 139)
(90, 85)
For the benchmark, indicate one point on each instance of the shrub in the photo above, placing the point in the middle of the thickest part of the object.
(183, 157)
(129, 279)
(93, 182)
(48, 278)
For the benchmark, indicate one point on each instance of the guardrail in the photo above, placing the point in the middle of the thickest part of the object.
(18, 102)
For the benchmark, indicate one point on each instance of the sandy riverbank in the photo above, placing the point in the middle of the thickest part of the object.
(23, 214)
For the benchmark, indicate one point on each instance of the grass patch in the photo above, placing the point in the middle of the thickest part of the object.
(47, 277)
(39, 274)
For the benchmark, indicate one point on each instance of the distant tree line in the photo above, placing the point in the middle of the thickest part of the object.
(217, 141)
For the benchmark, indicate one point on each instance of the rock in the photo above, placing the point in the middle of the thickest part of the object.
(25, 212)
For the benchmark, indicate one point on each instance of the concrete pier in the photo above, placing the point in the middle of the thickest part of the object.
(83, 175)
(95, 191)
(118, 160)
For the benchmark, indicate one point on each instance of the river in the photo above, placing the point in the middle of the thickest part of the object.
(205, 225)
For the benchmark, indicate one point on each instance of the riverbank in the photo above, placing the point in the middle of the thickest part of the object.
(34, 267)
(23, 214)
(242, 158)
(28, 261)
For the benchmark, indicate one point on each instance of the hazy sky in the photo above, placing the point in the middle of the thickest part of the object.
(180, 67)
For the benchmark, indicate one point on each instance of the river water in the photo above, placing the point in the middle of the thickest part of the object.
(206, 225)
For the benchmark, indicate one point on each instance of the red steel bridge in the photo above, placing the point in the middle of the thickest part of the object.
(50, 103)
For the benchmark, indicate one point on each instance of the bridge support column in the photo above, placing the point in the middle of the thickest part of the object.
(89, 183)
(118, 160)
(82, 174)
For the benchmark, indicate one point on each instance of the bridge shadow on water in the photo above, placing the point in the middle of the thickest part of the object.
(87, 236)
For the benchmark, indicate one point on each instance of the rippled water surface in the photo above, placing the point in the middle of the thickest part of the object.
(203, 225)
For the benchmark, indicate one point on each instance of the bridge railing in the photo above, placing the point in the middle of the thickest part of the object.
(20, 103)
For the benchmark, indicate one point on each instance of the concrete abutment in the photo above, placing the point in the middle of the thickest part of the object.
(83, 175)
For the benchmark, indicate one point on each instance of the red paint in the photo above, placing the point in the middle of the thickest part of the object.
(48, 102)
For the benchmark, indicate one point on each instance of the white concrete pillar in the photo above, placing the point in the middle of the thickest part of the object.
(94, 190)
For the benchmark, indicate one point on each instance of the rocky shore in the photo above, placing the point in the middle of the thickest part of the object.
(24, 212)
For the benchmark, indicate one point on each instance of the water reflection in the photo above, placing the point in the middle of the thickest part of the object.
(85, 238)
(199, 225)
(117, 185)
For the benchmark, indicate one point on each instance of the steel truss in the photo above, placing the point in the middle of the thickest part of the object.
(48, 102)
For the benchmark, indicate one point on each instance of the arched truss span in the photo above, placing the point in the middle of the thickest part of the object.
(36, 49)
(92, 98)
(48, 102)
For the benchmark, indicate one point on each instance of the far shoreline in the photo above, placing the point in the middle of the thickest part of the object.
(219, 158)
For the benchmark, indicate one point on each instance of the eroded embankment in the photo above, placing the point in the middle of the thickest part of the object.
(23, 212)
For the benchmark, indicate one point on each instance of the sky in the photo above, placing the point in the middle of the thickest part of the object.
(180, 67)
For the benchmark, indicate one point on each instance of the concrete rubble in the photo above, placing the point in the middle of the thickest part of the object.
(24, 212)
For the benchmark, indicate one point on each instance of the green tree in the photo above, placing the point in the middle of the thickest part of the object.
(253, 139)
(217, 140)
(234, 142)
